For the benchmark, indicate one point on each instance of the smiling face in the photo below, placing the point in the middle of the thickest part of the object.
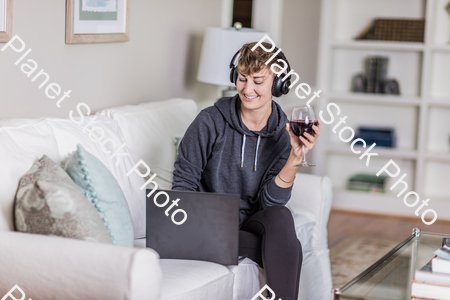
(255, 90)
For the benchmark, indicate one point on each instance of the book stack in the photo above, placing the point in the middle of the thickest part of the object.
(433, 280)
(383, 137)
(366, 183)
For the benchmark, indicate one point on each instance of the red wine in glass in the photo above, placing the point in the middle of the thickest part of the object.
(302, 120)
(299, 127)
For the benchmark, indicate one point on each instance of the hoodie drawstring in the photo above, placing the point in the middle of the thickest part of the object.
(256, 154)
(243, 151)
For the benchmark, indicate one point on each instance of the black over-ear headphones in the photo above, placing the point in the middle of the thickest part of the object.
(279, 87)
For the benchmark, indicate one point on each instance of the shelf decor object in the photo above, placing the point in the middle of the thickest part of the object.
(5, 20)
(420, 115)
(97, 21)
(402, 30)
(374, 79)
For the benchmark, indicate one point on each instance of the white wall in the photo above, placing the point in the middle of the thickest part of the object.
(160, 60)
(300, 37)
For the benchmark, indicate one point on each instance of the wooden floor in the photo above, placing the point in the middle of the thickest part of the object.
(342, 224)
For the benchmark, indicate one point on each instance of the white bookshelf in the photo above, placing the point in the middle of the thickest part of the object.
(420, 115)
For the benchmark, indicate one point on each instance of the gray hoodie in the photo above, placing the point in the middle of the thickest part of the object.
(219, 154)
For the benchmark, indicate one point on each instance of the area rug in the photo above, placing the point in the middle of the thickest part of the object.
(353, 254)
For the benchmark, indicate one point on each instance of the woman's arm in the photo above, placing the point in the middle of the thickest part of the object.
(275, 191)
(286, 176)
(193, 152)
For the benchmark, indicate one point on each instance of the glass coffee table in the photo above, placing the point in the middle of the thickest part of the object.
(390, 277)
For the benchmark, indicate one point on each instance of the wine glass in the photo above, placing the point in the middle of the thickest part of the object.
(302, 119)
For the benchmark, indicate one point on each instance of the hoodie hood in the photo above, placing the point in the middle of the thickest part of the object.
(230, 110)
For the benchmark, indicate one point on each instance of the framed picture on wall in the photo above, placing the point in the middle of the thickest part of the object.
(97, 21)
(5, 20)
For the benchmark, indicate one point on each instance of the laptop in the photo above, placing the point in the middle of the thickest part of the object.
(198, 226)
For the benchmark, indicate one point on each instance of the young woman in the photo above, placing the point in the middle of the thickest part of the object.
(244, 145)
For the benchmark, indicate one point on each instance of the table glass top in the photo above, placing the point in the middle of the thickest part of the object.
(390, 277)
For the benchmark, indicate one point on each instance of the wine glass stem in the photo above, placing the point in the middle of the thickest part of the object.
(304, 155)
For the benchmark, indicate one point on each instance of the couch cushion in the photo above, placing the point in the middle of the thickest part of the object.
(193, 280)
(140, 243)
(48, 202)
(68, 135)
(304, 228)
(54, 268)
(100, 187)
(150, 129)
(311, 199)
(248, 279)
(22, 142)
(248, 276)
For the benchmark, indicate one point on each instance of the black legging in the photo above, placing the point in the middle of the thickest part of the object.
(269, 239)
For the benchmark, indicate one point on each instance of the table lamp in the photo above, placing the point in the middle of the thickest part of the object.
(219, 46)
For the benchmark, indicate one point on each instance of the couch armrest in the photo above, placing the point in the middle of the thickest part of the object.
(49, 267)
(311, 198)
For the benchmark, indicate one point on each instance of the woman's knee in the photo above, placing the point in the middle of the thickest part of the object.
(279, 213)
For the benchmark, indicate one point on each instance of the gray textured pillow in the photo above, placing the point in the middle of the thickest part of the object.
(48, 202)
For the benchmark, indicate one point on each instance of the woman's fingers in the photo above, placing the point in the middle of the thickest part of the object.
(311, 138)
(308, 140)
(307, 143)
(317, 128)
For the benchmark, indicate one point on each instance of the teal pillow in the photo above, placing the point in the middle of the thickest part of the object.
(101, 188)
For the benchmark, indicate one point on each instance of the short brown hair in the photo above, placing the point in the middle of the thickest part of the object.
(254, 61)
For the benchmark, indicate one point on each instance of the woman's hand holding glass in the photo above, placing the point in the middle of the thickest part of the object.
(305, 142)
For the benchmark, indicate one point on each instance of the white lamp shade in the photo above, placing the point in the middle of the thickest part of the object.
(219, 46)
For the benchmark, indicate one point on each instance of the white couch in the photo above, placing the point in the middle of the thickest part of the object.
(48, 267)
